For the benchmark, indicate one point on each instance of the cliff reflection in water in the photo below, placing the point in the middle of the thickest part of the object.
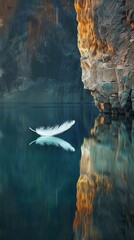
(105, 188)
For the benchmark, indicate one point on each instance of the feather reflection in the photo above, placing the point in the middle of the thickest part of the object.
(54, 141)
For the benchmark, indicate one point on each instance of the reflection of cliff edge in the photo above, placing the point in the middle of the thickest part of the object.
(105, 192)
(106, 45)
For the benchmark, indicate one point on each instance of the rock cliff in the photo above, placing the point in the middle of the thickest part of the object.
(106, 45)
(38, 51)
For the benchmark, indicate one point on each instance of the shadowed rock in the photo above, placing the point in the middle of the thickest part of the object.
(39, 59)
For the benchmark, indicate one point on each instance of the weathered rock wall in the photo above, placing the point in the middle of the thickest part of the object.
(106, 45)
(39, 57)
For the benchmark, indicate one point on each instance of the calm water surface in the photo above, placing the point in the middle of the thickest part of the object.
(48, 193)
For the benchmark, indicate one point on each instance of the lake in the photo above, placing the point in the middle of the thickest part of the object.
(49, 193)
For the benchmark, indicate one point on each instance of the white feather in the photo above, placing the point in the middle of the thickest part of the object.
(58, 142)
(52, 131)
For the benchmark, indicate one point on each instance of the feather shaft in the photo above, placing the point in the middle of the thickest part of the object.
(32, 129)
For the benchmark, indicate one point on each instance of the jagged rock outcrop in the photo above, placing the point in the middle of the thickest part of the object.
(106, 45)
(38, 51)
(105, 193)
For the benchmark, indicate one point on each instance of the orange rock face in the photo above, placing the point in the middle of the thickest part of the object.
(105, 42)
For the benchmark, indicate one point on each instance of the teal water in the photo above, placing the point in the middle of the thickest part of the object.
(41, 187)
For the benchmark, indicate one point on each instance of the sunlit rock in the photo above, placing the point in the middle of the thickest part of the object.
(105, 42)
